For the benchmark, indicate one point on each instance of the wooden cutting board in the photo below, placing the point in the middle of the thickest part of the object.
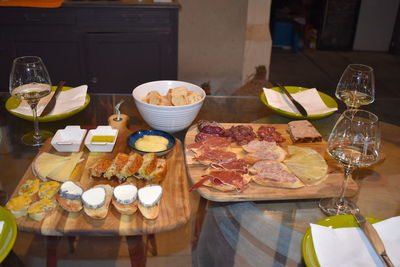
(254, 192)
(174, 204)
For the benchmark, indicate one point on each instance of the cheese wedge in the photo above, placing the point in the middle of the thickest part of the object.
(45, 163)
(64, 172)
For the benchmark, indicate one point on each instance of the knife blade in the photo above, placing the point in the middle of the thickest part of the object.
(299, 107)
(50, 105)
(372, 236)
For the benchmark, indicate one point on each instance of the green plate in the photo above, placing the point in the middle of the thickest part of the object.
(8, 234)
(329, 102)
(13, 102)
(339, 221)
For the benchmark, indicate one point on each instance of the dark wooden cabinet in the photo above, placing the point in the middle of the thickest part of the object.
(112, 49)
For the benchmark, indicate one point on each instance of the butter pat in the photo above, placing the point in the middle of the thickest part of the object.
(151, 143)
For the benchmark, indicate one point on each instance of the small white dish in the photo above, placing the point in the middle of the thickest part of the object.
(101, 146)
(68, 139)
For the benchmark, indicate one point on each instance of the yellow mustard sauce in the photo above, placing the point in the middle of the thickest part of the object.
(103, 138)
(152, 143)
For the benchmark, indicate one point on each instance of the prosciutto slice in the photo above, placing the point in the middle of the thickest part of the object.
(229, 178)
(215, 155)
(210, 142)
(237, 165)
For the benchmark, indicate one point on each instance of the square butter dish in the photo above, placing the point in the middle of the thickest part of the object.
(101, 139)
(68, 139)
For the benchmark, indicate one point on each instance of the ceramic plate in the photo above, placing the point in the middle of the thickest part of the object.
(329, 102)
(8, 234)
(339, 221)
(13, 102)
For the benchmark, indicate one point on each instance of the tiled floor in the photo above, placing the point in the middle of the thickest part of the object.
(322, 70)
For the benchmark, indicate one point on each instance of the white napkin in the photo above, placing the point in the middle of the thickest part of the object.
(350, 247)
(309, 99)
(66, 101)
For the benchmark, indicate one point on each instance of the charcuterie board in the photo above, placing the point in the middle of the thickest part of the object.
(174, 204)
(330, 187)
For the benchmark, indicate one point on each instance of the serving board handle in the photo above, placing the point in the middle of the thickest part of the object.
(121, 125)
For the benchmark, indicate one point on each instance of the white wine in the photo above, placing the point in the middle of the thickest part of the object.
(354, 155)
(354, 99)
(31, 92)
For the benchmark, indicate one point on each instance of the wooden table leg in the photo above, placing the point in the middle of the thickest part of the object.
(51, 247)
(137, 252)
(151, 239)
(201, 212)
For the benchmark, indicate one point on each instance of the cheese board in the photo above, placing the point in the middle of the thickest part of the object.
(330, 187)
(174, 206)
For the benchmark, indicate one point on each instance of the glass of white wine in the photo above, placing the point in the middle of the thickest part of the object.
(356, 87)
(354, 142)
(30, 81)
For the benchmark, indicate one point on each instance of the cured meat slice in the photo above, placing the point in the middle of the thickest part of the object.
(241, 134)
(210, 143)
(274, 174)
(278, 154)
(237, 165)
(269, 133)
(256, 145)
(223, 181)
(203, 136)
(210, 127)
(208, 156)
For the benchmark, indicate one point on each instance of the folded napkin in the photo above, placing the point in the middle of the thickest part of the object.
(350, 247)
(66, 101)
(309, 99)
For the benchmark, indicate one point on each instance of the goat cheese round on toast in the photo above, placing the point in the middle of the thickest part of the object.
(94, 198)
(150, 195)
(70, 190)
(125, 194)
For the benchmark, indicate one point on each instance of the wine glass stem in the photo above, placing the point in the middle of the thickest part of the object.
(347, 173)
(36, 134)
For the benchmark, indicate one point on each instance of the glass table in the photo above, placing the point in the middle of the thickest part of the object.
(265, 233)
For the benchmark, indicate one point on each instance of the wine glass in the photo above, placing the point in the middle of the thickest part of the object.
(356, 87)
(30, 81)
(354, 142)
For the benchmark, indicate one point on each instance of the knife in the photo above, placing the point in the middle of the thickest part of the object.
(372, 236)
(299, 107)
(50, 105)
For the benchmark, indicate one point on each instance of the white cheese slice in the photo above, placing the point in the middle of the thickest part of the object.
(64, 173)
(70, 190)
(94, 197)
(45, 163)
(149, 195)
(125, 194)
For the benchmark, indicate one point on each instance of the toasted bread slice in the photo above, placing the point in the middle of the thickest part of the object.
(135, 160)
(70, 199)
(48, 189)
(159, 172)
(101, 212)
(19, 205)
(148, 166)
(116, 166)
(39, 209)
(100, 167)
(149, 199)
(70, 205)
(30, 188)
(150, 213)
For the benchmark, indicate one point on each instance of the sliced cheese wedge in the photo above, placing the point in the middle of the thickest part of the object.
(45, 163)
(63, 173)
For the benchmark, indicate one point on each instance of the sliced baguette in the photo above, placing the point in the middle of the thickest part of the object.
(40, 209)
(149, 199)
(70, 204)
(100, 213)
(126, 209)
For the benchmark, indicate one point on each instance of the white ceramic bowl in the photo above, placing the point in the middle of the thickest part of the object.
(101, 146)
(68, 139)
(170, 119)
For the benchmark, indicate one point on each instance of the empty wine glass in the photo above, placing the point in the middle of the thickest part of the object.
(30, 81)
(354, 142)
(356, 87)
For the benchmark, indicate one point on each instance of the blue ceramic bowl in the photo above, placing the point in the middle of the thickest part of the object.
(139, 134)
